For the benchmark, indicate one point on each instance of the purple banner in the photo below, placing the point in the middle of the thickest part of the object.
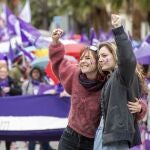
(41, 117)
(38, 105)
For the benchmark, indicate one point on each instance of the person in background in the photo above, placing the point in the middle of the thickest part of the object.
(18, 71)
(32, 87)
(8, 87)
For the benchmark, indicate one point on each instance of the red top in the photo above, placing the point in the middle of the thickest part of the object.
(84, 115)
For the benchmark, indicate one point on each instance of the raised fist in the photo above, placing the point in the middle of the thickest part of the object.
(116, 20)
(56, 34)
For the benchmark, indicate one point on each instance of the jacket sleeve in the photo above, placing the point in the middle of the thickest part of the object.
(62, 67)
(15, 89)
(125, 55)
(141, 115)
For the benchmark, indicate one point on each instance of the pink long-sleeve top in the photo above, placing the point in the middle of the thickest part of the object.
(84, 112)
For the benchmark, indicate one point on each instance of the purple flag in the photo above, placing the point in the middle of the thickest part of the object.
(3, 57)
(26, 53)
(1, 34)
(109, 35)
(11, 54)
(102, 35)
(44, 88)
(28, 32)
(93, 37)
(25, 40)
(2, 28)
(11, 20)
(84, 38)
(143, 53)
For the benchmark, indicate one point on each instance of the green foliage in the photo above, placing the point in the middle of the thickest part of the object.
(116, 4)
(145, 4)
(85, 13)
(43, 12)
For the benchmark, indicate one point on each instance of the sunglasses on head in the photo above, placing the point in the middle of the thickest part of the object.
(93, 48)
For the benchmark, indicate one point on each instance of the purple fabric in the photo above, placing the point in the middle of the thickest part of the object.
(84, 38)
(3, 57)
(10, 19)
(135, 148)
(2, 33)
(148, 80)
(92, 36)
(46, 105)
(4, 83)
(109, 35)
(147, 144)
(44, 87)
(28, 32)
(144, 60)
(36, 82)
(25, 39)
(11, 54)
(40, 105)
(102, 35)
(148, 39)
(25, 52)
(143, 53)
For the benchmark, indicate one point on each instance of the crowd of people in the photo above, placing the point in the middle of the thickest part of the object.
(23, 80)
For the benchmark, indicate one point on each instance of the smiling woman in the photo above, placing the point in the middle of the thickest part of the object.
(88, 62)
(83, 82)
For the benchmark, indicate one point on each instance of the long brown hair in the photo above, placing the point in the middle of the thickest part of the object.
(140, 73)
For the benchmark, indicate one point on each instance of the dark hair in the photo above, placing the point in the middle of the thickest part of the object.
(145, 69)
(40, 72)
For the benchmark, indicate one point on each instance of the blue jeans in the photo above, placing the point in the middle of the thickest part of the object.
(98, 141)
(71, 140)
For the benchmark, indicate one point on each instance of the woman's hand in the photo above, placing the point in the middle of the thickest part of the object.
(116, 20)
(134, 107)
(56, 34)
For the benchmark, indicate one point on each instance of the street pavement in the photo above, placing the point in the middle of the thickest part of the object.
(24, 145)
